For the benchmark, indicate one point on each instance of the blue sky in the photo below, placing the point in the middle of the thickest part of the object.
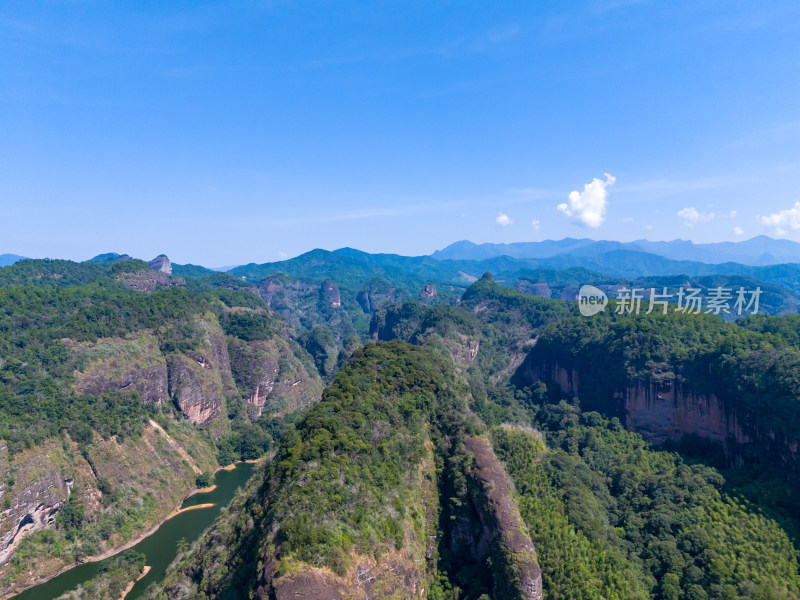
(223, 133)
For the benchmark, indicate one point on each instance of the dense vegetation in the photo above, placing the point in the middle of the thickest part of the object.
(614, 518)
(36, 400)
(53, 304)
(611, 516)
(754, 373)
(346, 480)
(114, 577)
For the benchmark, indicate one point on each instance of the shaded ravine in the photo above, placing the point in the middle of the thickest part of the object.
(161, 546)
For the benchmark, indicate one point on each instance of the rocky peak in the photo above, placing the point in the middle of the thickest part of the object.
(161, 263)
(428, 293)
(329, 294)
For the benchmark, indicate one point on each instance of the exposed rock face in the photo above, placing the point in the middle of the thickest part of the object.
(329, 295)
(272, 376)
(118, 364)
(47, 475)
(503, 535)
(200, 380)
(161, 263)
(394, 577)
(365, 302)
(42, 485)
(148, 281)
(669, 411)
(198, 394)
(428, 293)
(565, 376)
(376, 292)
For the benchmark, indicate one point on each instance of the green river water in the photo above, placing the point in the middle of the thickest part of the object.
(161, 547)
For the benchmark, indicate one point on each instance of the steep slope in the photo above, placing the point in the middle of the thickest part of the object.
(348, 508)
(610, 515)
(114, 401)
(675, 377)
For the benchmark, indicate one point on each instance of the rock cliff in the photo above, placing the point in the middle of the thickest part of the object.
(201, 379)
(42, 484)
(113, 365)
(502, 533)
(45, 477)
(428, 293)
(275, 381)
(669, 410)
(162, 264)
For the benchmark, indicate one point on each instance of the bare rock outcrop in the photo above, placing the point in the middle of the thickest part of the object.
(42, 485)
(329, 295)
(668, 411)
(275, 380)
(161, 263)
(428, 293)
(113, 365)
(201, 379)
(503, 535)
(394, 577)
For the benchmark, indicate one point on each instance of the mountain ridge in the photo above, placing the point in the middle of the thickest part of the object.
(757, 251)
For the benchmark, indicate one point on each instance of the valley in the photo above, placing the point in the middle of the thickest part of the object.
(425, 436)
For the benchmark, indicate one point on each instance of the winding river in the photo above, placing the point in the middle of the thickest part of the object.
(161, 546)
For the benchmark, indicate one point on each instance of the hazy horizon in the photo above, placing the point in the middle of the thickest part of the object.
(310, 249)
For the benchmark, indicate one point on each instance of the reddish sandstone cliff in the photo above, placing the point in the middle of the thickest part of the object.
(668, 410)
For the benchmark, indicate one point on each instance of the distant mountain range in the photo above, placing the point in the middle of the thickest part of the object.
(9, 259)
(554, 262)
(758, 251)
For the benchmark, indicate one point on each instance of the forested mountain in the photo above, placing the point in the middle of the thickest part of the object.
(113, 374)
(609, 514)
(472, 441)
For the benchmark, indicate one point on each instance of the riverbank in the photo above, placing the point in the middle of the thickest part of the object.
(188, 508)
(129, 587)
(97, 557)
(138, 538)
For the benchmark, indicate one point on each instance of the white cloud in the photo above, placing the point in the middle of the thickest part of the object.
(784, 220)
(503, 219)
(648, 228)
(627, 220)
(588, 208)
(692, 217)
(535, 224)
(738, 231)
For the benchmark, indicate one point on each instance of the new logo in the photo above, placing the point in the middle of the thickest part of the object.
(591, 300)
